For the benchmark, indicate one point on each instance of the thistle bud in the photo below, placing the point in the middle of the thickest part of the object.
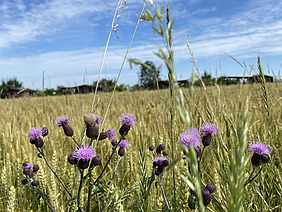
(264, 158)
(102, 136)
(83, 164)
(165, 153)
(72, 160)
(67, 129)
(24, 181)
(39, 142)
(44, 131)
(211, 188)
(92, 131)
(35, 168)
(121, 152)
(124, 129)
(256, 159)
(162, 147)
(151, 148)
(206, 196)
(165, 163)
(207, 139)
(34, 183)
(96, 161)
(114, 142)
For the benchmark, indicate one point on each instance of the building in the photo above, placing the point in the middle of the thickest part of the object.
(18, 92)
(80, 89)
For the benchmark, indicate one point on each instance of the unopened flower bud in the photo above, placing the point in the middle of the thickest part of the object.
(24, 181)
(92, 131)
(102, 136)
(72, 160)
(264, 158)
(67, 129)
(151, 148)
(206, 196)
(35, 168)
(121, 152)
(165, 163)
(207, 139)
(211, 188)
(83, 164)
(34, 183)
(162, 147)
(114, 142)
(96, 161)
(256, 159)
(124, 129)
(44, 131)
(39, 142)
(165, 153)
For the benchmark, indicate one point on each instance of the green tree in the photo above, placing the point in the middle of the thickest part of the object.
(9, 84)
(149, 75)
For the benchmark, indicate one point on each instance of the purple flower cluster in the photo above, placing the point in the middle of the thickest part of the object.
(82, 157)
(111, 133)
(128, 119)
(261, 153)
(63, 120)
(259, 148)
(34, 133)
(28, 171)
(208, 128)
(190, 138)
(123, 143)
(160, 163)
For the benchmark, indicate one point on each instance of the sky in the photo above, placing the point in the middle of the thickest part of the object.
(66, 39)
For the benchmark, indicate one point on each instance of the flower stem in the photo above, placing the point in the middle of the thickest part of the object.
(161, 184)
(75, 141)
(38, 191)
(250, 179)
(199, 161)
(89, 190)
(114, 150)
(51, 168)
(109, 190)
(79, 189)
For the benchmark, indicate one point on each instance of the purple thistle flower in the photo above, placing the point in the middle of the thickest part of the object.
(98, 120)
(190, 137)
(260, 148)
(28, 166)
(111, 133)
(123, 143)
(34, 133)
(127, 119)
(62, 120)
(209, 129)
(84, 153)
(160, 160)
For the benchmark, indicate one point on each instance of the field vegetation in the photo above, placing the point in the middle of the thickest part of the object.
(242, 113)
(224, 108)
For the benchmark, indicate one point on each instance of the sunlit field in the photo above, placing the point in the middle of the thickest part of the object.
(222, 106)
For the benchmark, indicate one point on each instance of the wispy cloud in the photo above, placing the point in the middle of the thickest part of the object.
(21, 25)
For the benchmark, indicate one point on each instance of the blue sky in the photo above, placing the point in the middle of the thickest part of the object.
(67, 37)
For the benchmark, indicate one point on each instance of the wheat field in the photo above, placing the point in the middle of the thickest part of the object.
(222, 106)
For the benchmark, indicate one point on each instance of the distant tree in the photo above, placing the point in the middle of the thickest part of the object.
(9, 84)
(136, 87)
(207, 79)
(149, 75)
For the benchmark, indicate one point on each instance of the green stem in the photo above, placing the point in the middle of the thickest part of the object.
(79, 189)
